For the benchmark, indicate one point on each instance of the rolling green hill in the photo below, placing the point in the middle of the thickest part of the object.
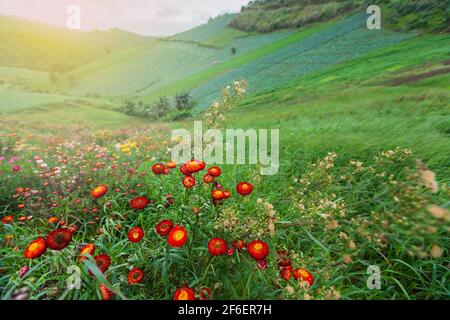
(35, 45)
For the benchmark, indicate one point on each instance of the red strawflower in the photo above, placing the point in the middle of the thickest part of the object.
(105, 292)
(258, 249)
(184, 293)
(217, 246)
(171, 165)
(239, 244)
(8, 219)
(158, 168)
(103, 262)
(217, 194)
(226, 194)
(99, 191)
(177, 236)
(262, 264)
(207, 178)
(286, 273)
(135, 234)
(139, 203)
(204, 293)
(86, 249)
(244, 188)
(23, 271)
(214, 171)
(194, 166)
(35, 249)
(59, 239)
(163, 227)
(188, 181)
(304, 275)
(184, 170)
(135, 275)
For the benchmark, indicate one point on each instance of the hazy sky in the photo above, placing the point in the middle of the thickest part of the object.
(150, 17)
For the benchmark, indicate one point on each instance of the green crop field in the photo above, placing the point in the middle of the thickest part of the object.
(86, 177)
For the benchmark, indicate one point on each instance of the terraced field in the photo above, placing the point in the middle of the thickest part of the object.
(157, 64)
(341, 42)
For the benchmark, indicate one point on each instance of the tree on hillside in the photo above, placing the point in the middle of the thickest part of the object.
(184, 101)
(159, 109)
(130, 108)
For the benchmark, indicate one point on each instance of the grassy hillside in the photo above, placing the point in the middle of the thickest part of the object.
(34, 45)
(355, 108)
(270, 15)
(160, 63)
(286, 60)
(205, 31)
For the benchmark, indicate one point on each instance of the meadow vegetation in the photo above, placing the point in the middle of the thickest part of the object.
(364, 119)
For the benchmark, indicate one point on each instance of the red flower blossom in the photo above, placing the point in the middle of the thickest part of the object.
(8, 219)
(226, 194)
(86, 249)
(286, 273)
(135, 234)
(163, 227)
(283, 258)
(184, 293)
(135, 275)
(184, 170)
(171, 165)
(258, 249)
(177, 236)
(217, 246)
(217, 194)
(262, 264)
(99, 191)
(239, 244)
(59, 239)
(103, 262)
(207, 178)
(204, 293)
(35, 249)
(304, 275)
(194, 166)
(244, 188)
(53, 220)
(105, 292)
(158, 168)
(170, 200)
(139, 203)
(188, 181)
(23, 271)
(214, 171)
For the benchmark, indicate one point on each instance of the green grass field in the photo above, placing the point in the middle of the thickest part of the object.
(364, 120)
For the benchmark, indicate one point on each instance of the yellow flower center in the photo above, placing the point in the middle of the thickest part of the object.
(34, 247)
(258, 247)
(183, 295)
(178, 235)
(303, 273)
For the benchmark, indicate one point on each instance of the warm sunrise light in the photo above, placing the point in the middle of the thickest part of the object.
(148, 17)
